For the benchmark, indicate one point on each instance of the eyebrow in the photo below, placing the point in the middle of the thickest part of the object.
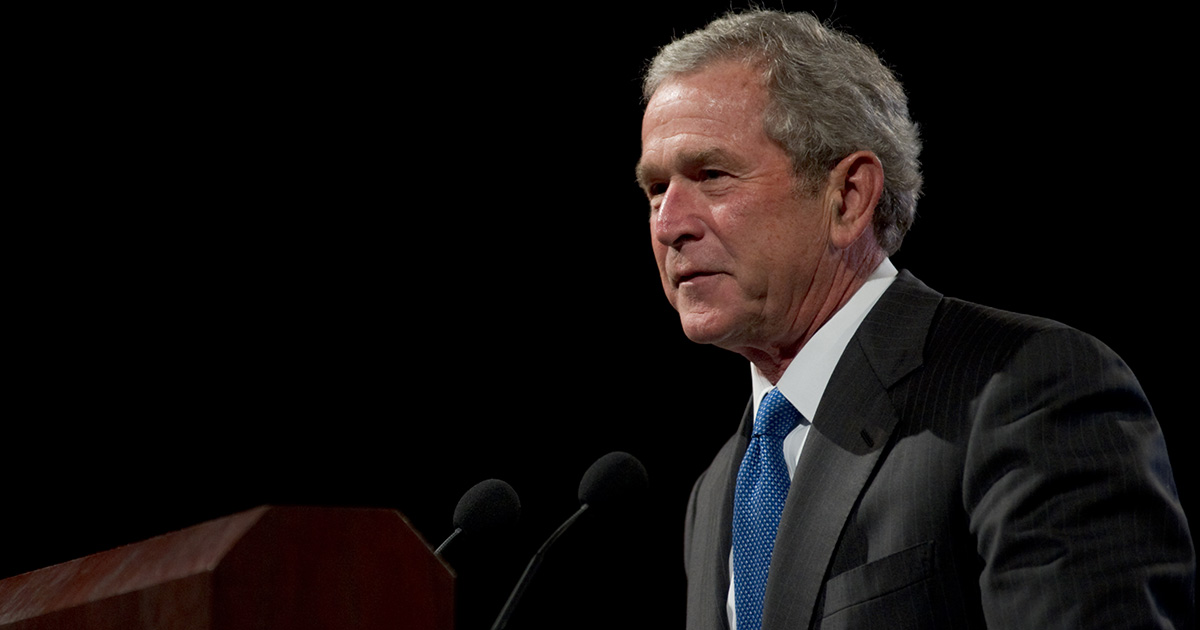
(686, 160)
(644, 173)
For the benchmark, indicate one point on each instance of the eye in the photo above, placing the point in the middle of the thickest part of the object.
(710, 174)
(656, 189)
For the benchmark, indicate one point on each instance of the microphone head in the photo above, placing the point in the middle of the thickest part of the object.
(615, 477)
(489, 506)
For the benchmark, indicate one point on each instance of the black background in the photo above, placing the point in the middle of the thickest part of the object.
(370, 258)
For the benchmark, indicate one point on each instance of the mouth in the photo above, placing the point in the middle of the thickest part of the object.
(696, 275)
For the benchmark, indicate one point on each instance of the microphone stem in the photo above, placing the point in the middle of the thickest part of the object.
(438, 551)
(530, 569)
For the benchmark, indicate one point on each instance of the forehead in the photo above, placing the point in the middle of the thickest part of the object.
(718, 107)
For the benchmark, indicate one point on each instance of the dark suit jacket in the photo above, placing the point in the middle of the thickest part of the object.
(966, 468)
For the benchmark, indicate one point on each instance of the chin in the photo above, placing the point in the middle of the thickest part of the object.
(704, 330)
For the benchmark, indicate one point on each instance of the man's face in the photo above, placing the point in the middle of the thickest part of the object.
(743, 256)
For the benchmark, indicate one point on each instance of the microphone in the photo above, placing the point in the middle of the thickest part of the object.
(613, 478)
(489, 506)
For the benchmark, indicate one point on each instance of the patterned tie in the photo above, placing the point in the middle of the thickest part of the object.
(762, 487)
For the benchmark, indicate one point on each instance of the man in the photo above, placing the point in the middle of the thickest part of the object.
(942, 464)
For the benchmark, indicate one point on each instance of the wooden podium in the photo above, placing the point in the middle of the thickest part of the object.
(286, 568)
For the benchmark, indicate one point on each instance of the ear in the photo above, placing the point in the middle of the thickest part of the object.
(854, 187)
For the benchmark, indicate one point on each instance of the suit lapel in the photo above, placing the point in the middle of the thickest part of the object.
(726, 528)
(709, 531)
(852, 425)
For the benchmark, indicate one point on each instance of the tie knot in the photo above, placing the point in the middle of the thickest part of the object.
(776, 416)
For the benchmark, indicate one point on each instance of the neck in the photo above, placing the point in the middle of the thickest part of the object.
(773, 360)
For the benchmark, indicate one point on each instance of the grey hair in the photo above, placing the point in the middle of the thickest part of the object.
(830, 96)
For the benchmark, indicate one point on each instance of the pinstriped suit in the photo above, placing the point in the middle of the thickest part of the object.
(966, 468)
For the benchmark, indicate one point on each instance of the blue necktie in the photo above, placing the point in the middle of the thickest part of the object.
(762, 487)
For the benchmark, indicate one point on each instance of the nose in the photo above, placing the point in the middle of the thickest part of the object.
(677, 217)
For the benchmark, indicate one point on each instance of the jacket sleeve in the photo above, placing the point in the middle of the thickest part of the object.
(1070, 495)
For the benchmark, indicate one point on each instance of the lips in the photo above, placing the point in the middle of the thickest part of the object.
(683, 276)
(683, 269)
(695, 274)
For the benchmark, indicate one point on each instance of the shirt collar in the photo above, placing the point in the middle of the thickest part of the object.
(803, 382)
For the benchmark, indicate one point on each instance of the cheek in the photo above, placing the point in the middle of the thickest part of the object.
(660, 257)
